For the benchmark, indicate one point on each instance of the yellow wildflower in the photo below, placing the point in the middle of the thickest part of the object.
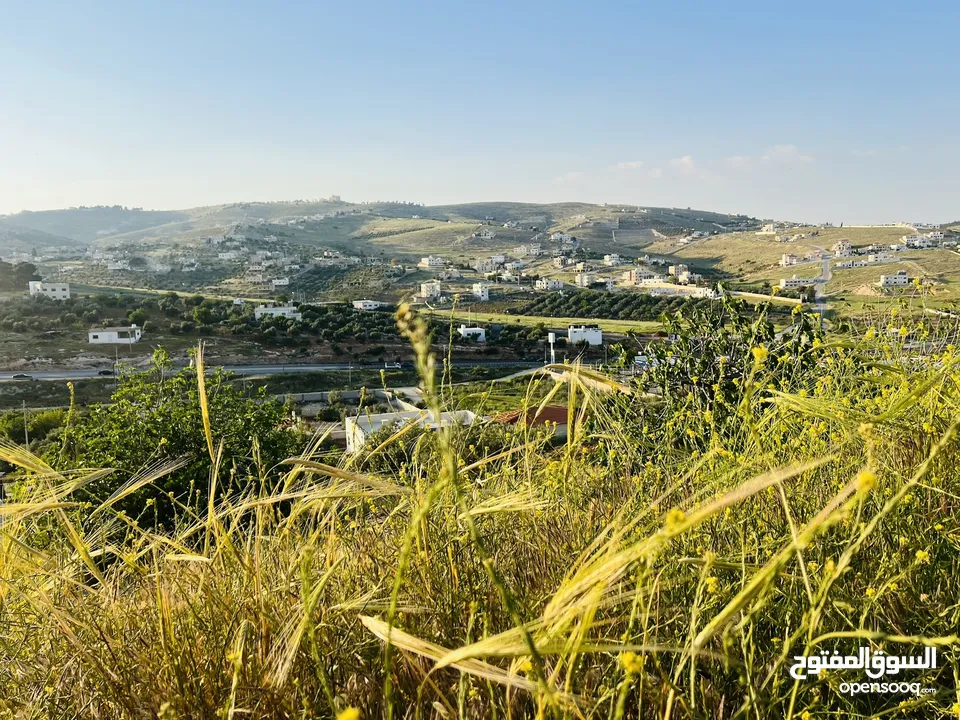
(760, 354)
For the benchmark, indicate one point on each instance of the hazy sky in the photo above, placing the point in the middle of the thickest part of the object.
(840, 111)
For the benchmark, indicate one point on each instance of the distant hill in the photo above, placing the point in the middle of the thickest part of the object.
(87, 224)
(23, 239)
(375, 227)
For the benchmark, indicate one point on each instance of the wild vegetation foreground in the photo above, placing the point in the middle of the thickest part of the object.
(750, 499)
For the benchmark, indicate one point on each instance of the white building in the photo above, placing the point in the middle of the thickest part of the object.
(936, 236)
(561, 237)
(481, 291)
(498, 259)
(677, 270)
(431, 289)
(118, 265)
(477, 334)
(485, 265)
(229, 255)
(532, 249)
(549, 284)
(611, 260)
(287, 311)
(450, 274)
(367, 304)
(794, 282)
(561, 261)
(879, 257)
(898, 279)
(281, 282)
(54, 291)
(584, 280)
(431, 262)
(358, 429)
(634, 276)
(788, 259)
(114, 335)
(590, 333)
(486, 234)
(842, 248)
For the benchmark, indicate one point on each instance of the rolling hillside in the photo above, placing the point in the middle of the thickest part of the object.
(379, 227)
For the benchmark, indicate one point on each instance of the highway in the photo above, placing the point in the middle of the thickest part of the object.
(274, 369)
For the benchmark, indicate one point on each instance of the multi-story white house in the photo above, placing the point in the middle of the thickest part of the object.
(54, 291)
(898, 279)
(287, 311)
(788, 259)
(611, 260)
(794, 282)
(281, 282)
(842, 248)
(114, 335)
(498, 259)
(549, 284)
(481, 291)
(589, 333)
(584, 280)
(229, 255)
(561, 237)
(677, 270)
(431, 289)
(367, 304)
(431, 263)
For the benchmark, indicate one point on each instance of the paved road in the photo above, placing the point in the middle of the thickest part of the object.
(258, 369)
(821, 284)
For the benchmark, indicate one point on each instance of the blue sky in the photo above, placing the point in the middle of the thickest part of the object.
(841, 111)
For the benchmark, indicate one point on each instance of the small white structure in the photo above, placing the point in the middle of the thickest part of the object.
(481, 291)
(477, 334)
(898, 279)
(287, 311)
(432, 263)
(367, 304)
(54, 291)
(611, 260)
(239, 302)
(794, 282)
(358, 429)
(431, 289)
(549, 284)
(788, 259)
(592, 334)
(114, 335)
(281, 282)
(486, 234)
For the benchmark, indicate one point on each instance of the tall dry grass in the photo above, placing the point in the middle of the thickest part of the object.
(613, 575)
